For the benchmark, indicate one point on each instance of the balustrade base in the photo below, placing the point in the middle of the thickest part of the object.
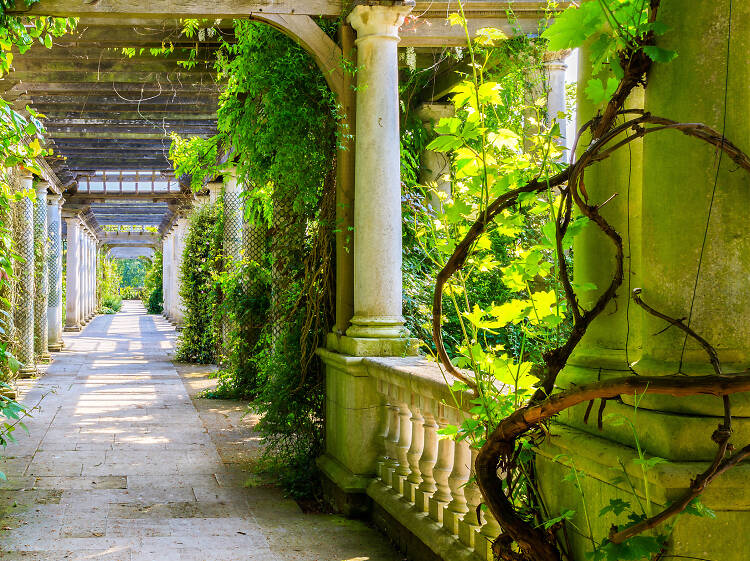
(345, 491)
(415, 532)
(600, 460)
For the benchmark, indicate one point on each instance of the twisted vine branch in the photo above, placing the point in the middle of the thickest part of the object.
(536, 544)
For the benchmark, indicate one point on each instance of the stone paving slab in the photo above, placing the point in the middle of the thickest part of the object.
(120, 466)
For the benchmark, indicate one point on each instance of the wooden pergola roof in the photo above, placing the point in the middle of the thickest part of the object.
(109, 116)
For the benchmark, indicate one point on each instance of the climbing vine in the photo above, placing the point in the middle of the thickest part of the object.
(200, 337)
(487, 165)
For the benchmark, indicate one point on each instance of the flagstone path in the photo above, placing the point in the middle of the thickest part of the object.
(120, 465)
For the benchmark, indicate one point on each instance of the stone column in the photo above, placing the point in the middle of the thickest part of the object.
(24, 312)
(690, 253)
(377, 327)
(377, 213)
(180, 234)
(435, 165)
(54, 265)
(168, 256)
(73, 275)
(84, 276)
(41, 298)
(214, 191)
(554, 70)
(94, 276)
(233, 217)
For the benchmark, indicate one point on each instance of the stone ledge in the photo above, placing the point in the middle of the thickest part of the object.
(600, 458)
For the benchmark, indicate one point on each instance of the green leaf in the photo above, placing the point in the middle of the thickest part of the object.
(657, 54)
(598, 92)
(616, 506)
(574, 26)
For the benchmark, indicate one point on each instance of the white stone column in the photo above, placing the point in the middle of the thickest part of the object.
(24, 304)
(435, 169)
(41, 296)
(94, 276)
(84, 276)
(54, 264)
(86, 285)
(180, 235)
(554, 67)
(214, 191)
(377, 211)
(73, 275)
(167, 257)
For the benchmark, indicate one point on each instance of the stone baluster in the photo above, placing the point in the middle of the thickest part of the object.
(487, 535)
(442, 473)
(403, 446)
(470, 524)
(457, 507)
(391, 442)
(427, 463)
(414, 453)
(54, 260)
(41, 296)
(382, 435)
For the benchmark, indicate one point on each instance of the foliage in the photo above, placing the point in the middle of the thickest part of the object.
(245, 287)
(132, 272)
(111, 304)
(200, 337)
(153, 294)
(508, 181)
(275, 112)
(108, 285)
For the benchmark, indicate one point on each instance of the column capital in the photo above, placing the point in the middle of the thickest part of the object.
(379, 19)
(552, 58)
(41, 188)
(55, 199)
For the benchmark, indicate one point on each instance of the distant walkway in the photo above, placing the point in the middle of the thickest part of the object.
(119, 466)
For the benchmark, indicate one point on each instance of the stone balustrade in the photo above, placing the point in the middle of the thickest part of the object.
(423, 481)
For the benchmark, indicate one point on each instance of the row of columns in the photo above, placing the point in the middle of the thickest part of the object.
(37, 311)
(81, 287)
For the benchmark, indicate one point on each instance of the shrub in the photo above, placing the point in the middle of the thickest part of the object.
(201, 334)
(111, 302)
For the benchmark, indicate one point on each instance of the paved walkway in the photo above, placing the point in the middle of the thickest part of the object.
(119, 465)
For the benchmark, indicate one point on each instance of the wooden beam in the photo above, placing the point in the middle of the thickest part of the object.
(215, 9)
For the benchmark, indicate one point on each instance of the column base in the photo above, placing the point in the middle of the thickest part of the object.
(27, 372)
(372, 346)
(44, 358)
(599, 462)
(55, 347)
(72, 328)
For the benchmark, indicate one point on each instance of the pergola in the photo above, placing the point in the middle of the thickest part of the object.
(109, 117)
